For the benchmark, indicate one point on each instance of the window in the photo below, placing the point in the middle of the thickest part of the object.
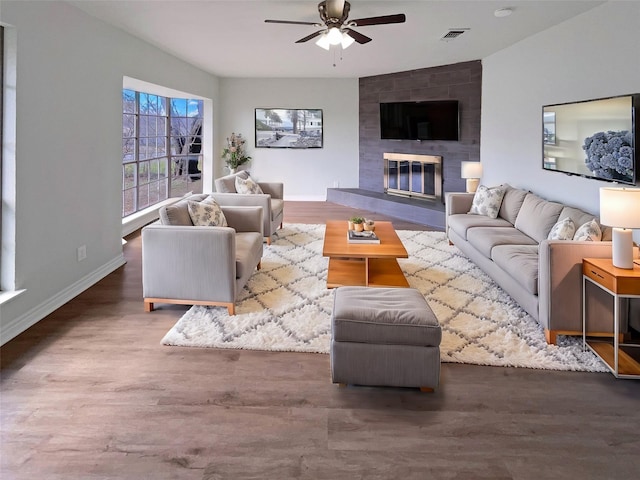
(161, 148)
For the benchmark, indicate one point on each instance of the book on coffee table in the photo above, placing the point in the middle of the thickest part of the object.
(362, 237)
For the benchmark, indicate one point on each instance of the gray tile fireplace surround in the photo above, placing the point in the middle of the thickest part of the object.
(421, 211)
(460, 81)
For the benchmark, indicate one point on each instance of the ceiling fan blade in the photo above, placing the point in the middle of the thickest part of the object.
(358, 37)
(293, 22)
(363, 22)
(309, 37)
(335, 8)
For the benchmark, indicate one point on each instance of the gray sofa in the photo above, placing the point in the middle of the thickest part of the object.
(198, 265)
(543, 276)
(271, 200)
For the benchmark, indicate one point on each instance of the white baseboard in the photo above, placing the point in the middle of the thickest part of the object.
(18, 325)
(306, 198)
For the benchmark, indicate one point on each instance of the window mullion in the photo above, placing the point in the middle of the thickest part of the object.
(167, 134)
(137, 154)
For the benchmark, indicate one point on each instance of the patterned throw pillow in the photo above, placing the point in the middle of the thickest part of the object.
(487, 201)
(562, 230)
(206, 213)
(589, 232)
(247, 185)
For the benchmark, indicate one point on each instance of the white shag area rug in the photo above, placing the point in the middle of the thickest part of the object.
(287, 307)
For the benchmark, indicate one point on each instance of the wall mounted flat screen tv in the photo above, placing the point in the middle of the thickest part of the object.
(288, 128)
(428, 120)
(593, 138)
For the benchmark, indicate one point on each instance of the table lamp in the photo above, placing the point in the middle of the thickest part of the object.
(620, 209)
(472, 171)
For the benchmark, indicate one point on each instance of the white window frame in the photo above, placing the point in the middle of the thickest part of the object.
(164, 159)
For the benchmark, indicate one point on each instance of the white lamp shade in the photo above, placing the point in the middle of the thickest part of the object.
(334, 36)
(323, 41)
(620, 207)
(471, 170)
(347, 40)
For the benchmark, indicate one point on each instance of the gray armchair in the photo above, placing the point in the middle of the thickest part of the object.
(196, 265)
(272, 200)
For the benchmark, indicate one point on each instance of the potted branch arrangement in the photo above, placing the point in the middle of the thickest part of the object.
(233, 154)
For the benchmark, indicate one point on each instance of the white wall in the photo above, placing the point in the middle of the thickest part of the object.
(591, 56)
(306, 173)
(70, 69)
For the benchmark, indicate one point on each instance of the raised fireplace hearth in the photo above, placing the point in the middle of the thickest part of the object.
(413, 190)
(415, 176)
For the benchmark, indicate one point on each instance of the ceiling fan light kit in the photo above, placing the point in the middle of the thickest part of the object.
(339, 31)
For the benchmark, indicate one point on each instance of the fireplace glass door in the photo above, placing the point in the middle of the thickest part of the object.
(414, 177)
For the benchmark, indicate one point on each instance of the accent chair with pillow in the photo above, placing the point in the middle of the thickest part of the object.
(200, 253)
(239, 189)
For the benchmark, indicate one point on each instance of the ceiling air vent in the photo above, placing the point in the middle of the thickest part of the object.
(453, 33)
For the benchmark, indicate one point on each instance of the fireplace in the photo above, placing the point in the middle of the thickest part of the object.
(409, 175)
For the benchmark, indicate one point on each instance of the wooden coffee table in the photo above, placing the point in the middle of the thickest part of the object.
(373, 265)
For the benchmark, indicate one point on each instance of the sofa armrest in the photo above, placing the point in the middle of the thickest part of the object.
(244, 219)
(560, 286)
(247, 200)
(275, 189)
(189, 262)
(458, 202)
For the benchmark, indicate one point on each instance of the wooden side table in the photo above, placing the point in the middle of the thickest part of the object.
(620, 283)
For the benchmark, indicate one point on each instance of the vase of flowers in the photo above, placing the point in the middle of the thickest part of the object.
(234, 153)
(610, 154)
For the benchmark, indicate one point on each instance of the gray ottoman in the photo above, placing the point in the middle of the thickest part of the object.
(385, 337)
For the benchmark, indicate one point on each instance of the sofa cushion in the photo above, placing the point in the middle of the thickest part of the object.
(520, 262)
(384, 316)
(537, 216)
(247, 186)
(589, 232)
(461, 223)
(206, 213)
(484, 239)
(178, 213)
(247, 246)
(277, 206)
(511, 203)
(562, 230)
(579, 217)
(487, 201)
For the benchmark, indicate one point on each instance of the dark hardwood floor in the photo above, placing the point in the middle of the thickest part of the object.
(89, 393)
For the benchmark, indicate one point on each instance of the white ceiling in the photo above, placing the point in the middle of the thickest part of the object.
(230, 38)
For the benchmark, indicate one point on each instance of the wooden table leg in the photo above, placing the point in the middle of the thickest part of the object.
(366, 271)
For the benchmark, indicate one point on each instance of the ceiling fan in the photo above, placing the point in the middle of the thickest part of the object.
(338, 29)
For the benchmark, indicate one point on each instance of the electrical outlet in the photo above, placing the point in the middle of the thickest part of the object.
(82, 252)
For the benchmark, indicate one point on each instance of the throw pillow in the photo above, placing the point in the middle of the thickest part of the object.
(247, 185)
(487, 201)
(589, 232)
(562, 230)
(206, 213)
